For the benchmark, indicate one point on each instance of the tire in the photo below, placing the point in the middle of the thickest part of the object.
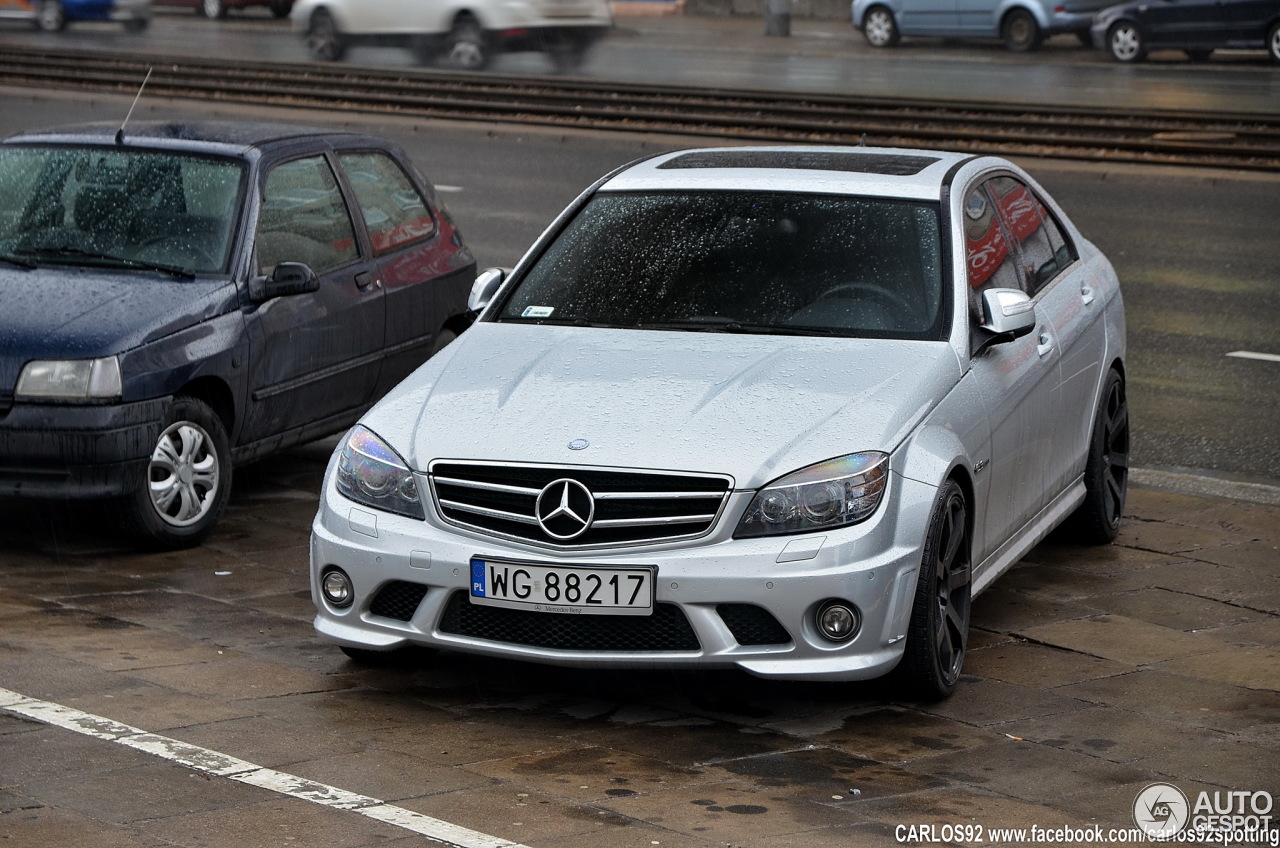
(443, 339)
(1126, 43)
(281, 9)
(566, 54)
(1084, 37)
(187, 482)
(1020, 31)
(324, 40)
(939, 629)
(879, 28)
(1273, 42)
(213, 9)
(466, 47)
(51, 16)
(1106, 473)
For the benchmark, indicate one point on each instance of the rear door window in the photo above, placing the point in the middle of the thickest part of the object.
(395, 214)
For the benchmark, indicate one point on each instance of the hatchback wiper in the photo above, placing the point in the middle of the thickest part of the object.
(79, 253)
(17, 263)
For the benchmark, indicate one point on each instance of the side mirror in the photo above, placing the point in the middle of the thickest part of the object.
(484, 288)
(1008, 314)
(286, 279)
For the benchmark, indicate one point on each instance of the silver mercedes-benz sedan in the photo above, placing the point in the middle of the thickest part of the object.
(781, 409)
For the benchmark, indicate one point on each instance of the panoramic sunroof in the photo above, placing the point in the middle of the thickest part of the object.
(894, 165)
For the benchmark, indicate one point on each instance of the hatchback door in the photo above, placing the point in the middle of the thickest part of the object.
(928, 17)
(316, 356)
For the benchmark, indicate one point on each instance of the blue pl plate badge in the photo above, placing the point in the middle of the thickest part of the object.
(477, 578)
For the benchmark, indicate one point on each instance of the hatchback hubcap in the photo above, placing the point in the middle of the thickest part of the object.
(183, 475)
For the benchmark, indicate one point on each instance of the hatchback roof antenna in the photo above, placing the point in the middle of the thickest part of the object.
(129, 114)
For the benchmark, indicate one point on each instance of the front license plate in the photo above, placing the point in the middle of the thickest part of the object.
(555, 588)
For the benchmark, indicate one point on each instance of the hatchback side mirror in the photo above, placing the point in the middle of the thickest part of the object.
(484, 288)
(286, 278)
(1008, 314)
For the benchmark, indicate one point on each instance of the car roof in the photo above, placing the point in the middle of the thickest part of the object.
(209, 136)
(865, 171)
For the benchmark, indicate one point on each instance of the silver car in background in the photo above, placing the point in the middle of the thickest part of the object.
(1021, 24)
(780, 409)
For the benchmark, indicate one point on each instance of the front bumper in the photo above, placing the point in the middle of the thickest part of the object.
(411, 580)
(65, 451)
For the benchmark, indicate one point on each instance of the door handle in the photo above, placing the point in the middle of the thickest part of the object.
(1045, 345)
(365, 281)
(1086, 294)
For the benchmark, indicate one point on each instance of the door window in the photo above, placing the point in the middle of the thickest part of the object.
(990, 257)
(394, 212)
(1042, 248)
(304, 218)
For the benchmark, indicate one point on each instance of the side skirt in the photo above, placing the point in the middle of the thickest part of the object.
(1031, 534)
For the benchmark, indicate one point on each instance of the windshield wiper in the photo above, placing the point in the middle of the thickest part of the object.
(17, 263)
(78, 253)
(730, 325)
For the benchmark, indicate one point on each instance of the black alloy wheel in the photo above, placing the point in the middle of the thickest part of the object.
(1106, 475)
(939, 629)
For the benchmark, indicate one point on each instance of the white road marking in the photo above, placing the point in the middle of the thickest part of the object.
(222, 765)
(1249, 354)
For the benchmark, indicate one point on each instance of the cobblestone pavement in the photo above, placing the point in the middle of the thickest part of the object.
(1093, 673)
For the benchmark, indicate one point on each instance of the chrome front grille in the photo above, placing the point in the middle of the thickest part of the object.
(567, 506)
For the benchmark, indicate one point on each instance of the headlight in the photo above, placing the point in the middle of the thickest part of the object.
(70, 379)
(830, 494)
(371, 473)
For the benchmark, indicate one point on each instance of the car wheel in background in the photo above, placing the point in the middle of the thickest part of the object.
(1020, 31)
(566, 53)
(213, 9)
(879, 28)
(323, 39)
(281, 8)
(51, 17)
(1273, 42)
(1125, 43)
(939, 627)
(466, 47)
(187, 482)
(1106, 473)
(1084, 37)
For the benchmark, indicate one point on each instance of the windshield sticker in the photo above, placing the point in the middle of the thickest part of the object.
(537, 312)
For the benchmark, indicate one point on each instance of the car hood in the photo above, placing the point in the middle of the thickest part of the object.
(83, 313)
(755, 407)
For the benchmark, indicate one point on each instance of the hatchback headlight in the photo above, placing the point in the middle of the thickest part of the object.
(371, 473)
(70, 379)
(831, 494)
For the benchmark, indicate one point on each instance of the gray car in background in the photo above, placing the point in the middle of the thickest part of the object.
(1021, 24)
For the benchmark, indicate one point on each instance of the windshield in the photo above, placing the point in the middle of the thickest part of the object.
(742, 262)
(118, 207)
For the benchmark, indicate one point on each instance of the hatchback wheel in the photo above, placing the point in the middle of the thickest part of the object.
(323, 38)
(1125, 43)
(187, 481)
(51, 17)
(213, 9)
(939, 627)
(1020, 31)
(466, 48)
(1106, 472)
(1273, 42)
(880, 29)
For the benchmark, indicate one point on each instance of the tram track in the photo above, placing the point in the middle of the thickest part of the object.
(1128, 135)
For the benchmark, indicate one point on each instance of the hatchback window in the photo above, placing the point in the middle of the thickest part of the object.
(304, 218)
(394, 213)
(118, 207)
(742, 262)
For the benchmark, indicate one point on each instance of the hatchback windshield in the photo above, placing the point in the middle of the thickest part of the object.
(117, 207)
(742, 262)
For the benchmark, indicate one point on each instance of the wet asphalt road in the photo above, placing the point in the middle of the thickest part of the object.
(1092, 672)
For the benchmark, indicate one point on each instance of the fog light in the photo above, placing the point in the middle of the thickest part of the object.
(335, 585)
(838, 621)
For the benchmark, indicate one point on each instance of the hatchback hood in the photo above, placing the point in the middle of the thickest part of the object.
(755, 407)
(83, 313)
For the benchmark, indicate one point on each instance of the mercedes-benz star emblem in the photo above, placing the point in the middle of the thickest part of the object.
(565, 509)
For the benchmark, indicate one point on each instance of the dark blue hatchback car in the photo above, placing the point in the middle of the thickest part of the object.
(180, 298)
